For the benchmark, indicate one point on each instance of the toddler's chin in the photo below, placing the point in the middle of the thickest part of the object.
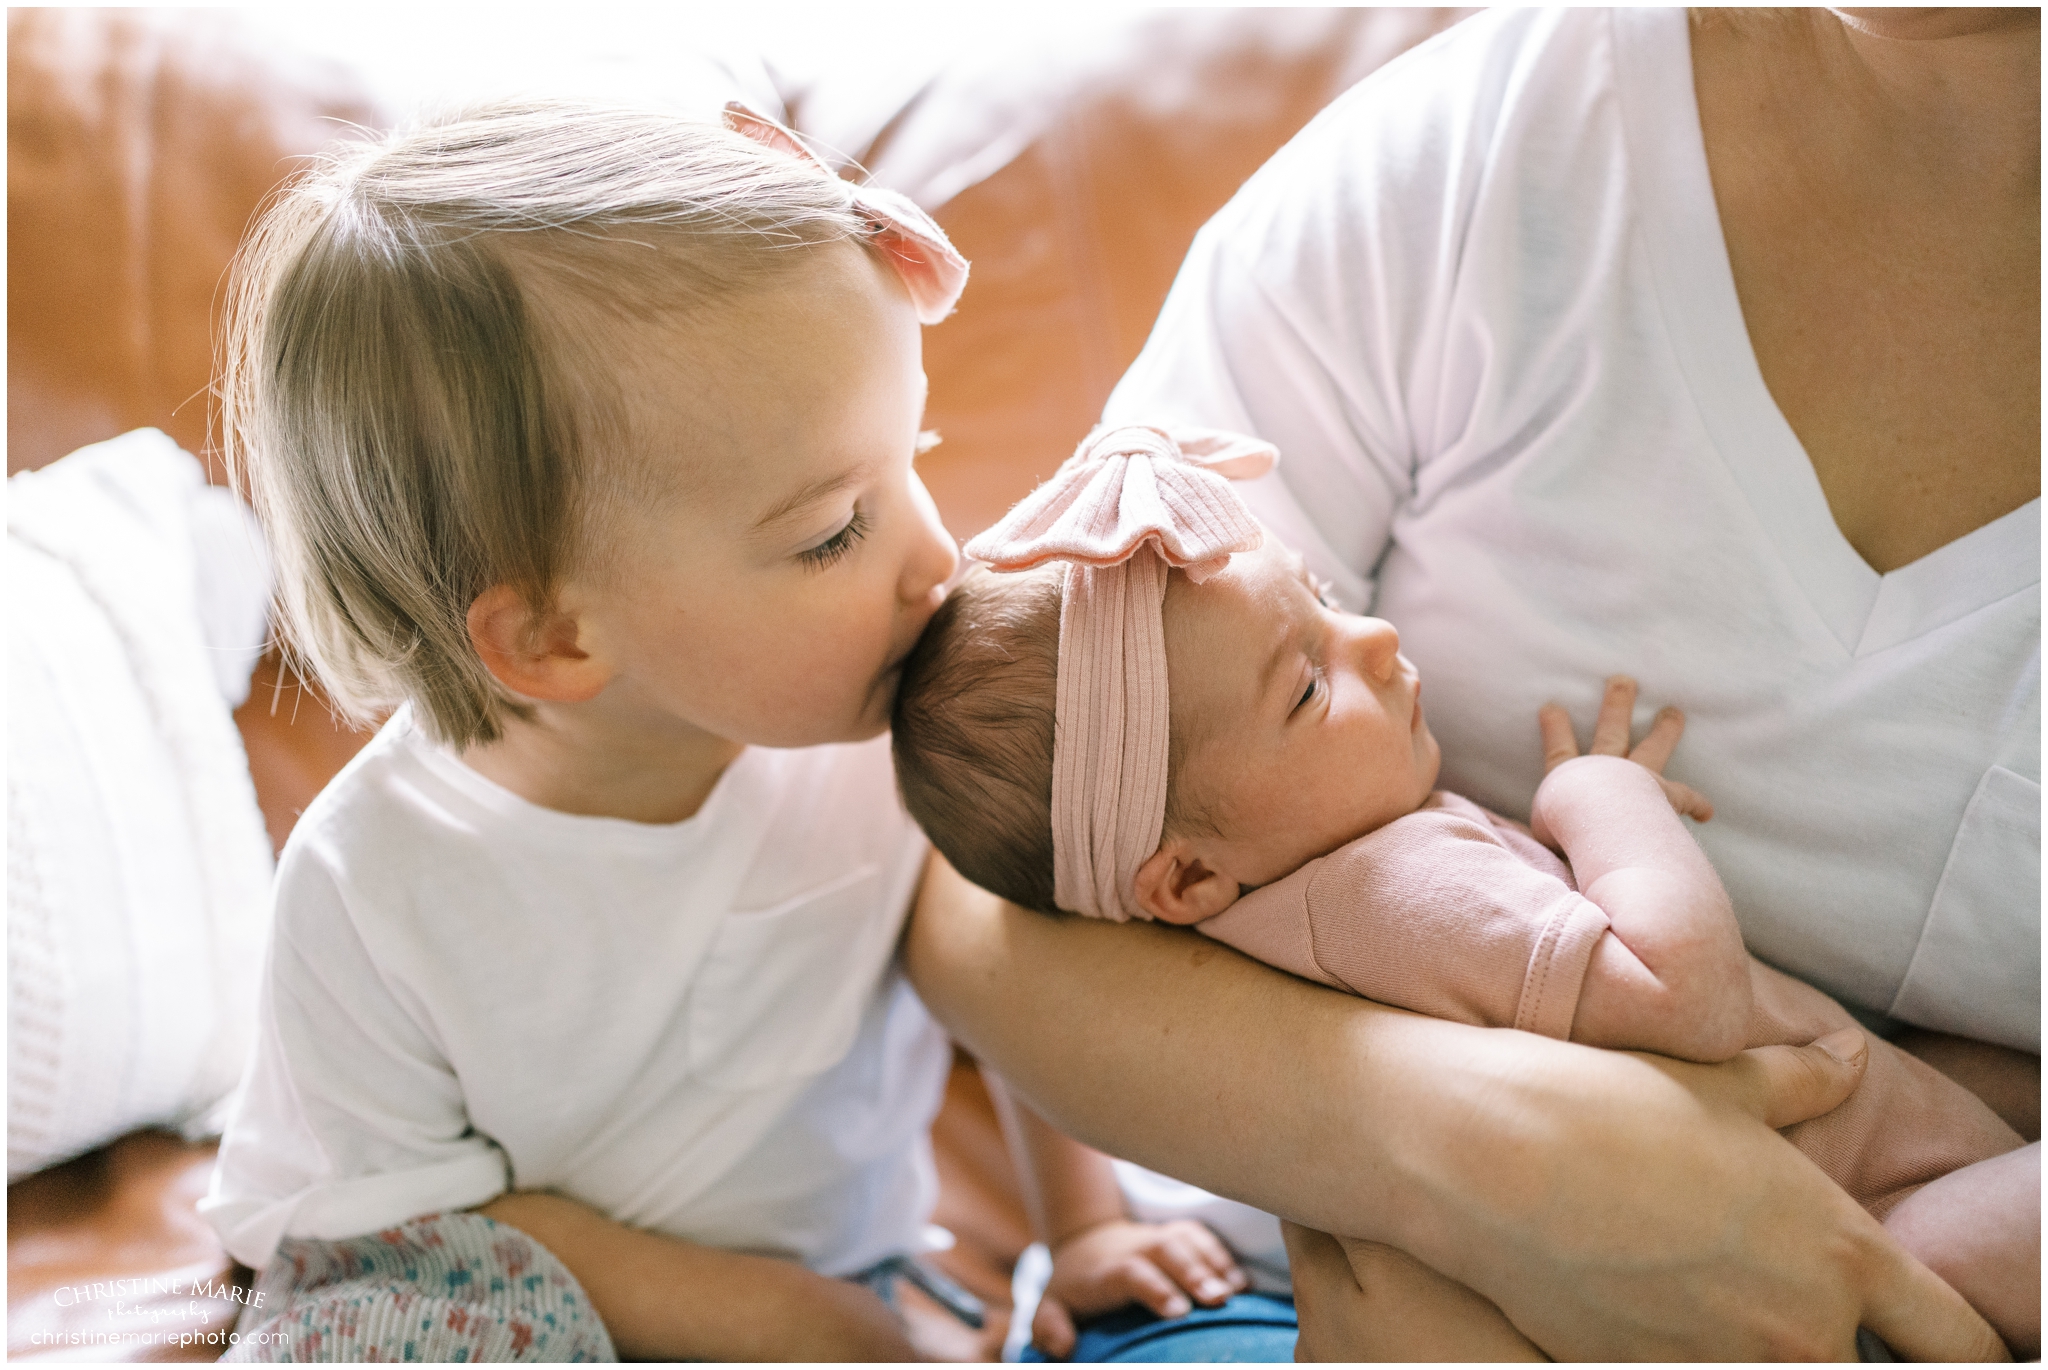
(865, 729)
(825, 734)
(856, 719)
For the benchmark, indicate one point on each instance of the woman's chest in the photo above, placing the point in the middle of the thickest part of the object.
(1890, 285)
(1906, 358)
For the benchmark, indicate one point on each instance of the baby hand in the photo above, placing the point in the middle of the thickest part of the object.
(1610, 738)
(1102, 1268)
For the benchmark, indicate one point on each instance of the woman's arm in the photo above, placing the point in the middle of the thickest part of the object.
(1361, 1301)
(663, 1299)
(1614, 1207)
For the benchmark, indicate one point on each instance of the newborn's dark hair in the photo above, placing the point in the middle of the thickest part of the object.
(973, 731)
(973, 734)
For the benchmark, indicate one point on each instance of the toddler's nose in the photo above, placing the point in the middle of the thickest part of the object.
(934, 556)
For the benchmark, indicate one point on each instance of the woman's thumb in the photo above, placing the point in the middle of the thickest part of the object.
(1052, 1329)
(1787, 1085)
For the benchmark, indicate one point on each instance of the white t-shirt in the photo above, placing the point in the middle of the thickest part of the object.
(1483, 307)
(696, 1028)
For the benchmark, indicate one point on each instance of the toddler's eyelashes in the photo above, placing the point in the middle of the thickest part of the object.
(838, 545)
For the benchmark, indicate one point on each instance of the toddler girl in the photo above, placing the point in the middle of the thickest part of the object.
(584, 438)
(1279, 796)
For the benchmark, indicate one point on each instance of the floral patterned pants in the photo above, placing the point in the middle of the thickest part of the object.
(451, 1287)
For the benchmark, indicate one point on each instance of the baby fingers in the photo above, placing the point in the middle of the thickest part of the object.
(1199, 1261)
(1145, 1281)
(1686, 800)
(1559, 743)
(1617, 708)
(1052, 1328)
(1657, 745)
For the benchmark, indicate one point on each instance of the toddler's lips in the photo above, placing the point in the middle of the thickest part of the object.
(1415, 723)
(892, 672)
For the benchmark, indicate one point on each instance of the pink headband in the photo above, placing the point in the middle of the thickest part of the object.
(933, 271)
(1130, 503)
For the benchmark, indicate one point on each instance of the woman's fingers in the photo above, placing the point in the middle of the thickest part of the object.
(1559, 743)
(1437, 1319)
(1361, 1300)
(1617, 708)
(1052, 1328)
(1920, 1318)
(1657, 745)
(1780, 1086)
(1327, 1298)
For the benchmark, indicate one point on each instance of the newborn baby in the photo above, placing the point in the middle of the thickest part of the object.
(1153, 712)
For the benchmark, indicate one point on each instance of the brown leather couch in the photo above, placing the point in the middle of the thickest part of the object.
(142, 142)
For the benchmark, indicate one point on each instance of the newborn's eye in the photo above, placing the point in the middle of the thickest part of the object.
(1324, 592)
(1307, 696)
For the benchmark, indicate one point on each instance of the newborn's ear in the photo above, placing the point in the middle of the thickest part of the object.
(1175, 885)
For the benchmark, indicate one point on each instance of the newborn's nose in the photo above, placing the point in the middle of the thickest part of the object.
(1379, 648)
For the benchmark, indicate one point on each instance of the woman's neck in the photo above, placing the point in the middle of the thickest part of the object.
(1955, 94)
(589, 759)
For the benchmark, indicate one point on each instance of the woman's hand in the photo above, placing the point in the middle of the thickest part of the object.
(1159, 1265)
(1613, 1206)
(1611, 738)
(1606, 1260)
(1361, 1301)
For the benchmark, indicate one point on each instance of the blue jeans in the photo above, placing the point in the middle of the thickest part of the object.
(1251, 1327)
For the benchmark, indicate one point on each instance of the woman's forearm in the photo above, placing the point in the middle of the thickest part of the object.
(663, 1299)
(1613, 1207)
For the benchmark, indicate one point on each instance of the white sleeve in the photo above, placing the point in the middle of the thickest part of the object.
(1319, 308)
(350, 1119)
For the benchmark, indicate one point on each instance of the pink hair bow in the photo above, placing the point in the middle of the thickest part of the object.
(1126, 487)
(1128, 505)
(931, 268)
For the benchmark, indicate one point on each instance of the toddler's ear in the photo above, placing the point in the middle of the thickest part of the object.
(536, 657)
(1175, 885)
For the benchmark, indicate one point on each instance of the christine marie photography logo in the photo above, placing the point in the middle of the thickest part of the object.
(153, 1313)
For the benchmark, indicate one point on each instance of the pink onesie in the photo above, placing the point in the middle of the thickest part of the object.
(1459, 913)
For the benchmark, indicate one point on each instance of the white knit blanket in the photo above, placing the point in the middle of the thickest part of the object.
(138, 869)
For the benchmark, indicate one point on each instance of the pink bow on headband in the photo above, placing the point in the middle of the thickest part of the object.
(1130, 503)
(1125, 487)
(931, 268)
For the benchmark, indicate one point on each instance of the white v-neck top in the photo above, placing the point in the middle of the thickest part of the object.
(1483, 306)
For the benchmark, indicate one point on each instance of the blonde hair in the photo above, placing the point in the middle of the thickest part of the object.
(398, 394)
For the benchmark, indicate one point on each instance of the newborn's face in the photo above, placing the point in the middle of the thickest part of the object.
(1304, 723)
